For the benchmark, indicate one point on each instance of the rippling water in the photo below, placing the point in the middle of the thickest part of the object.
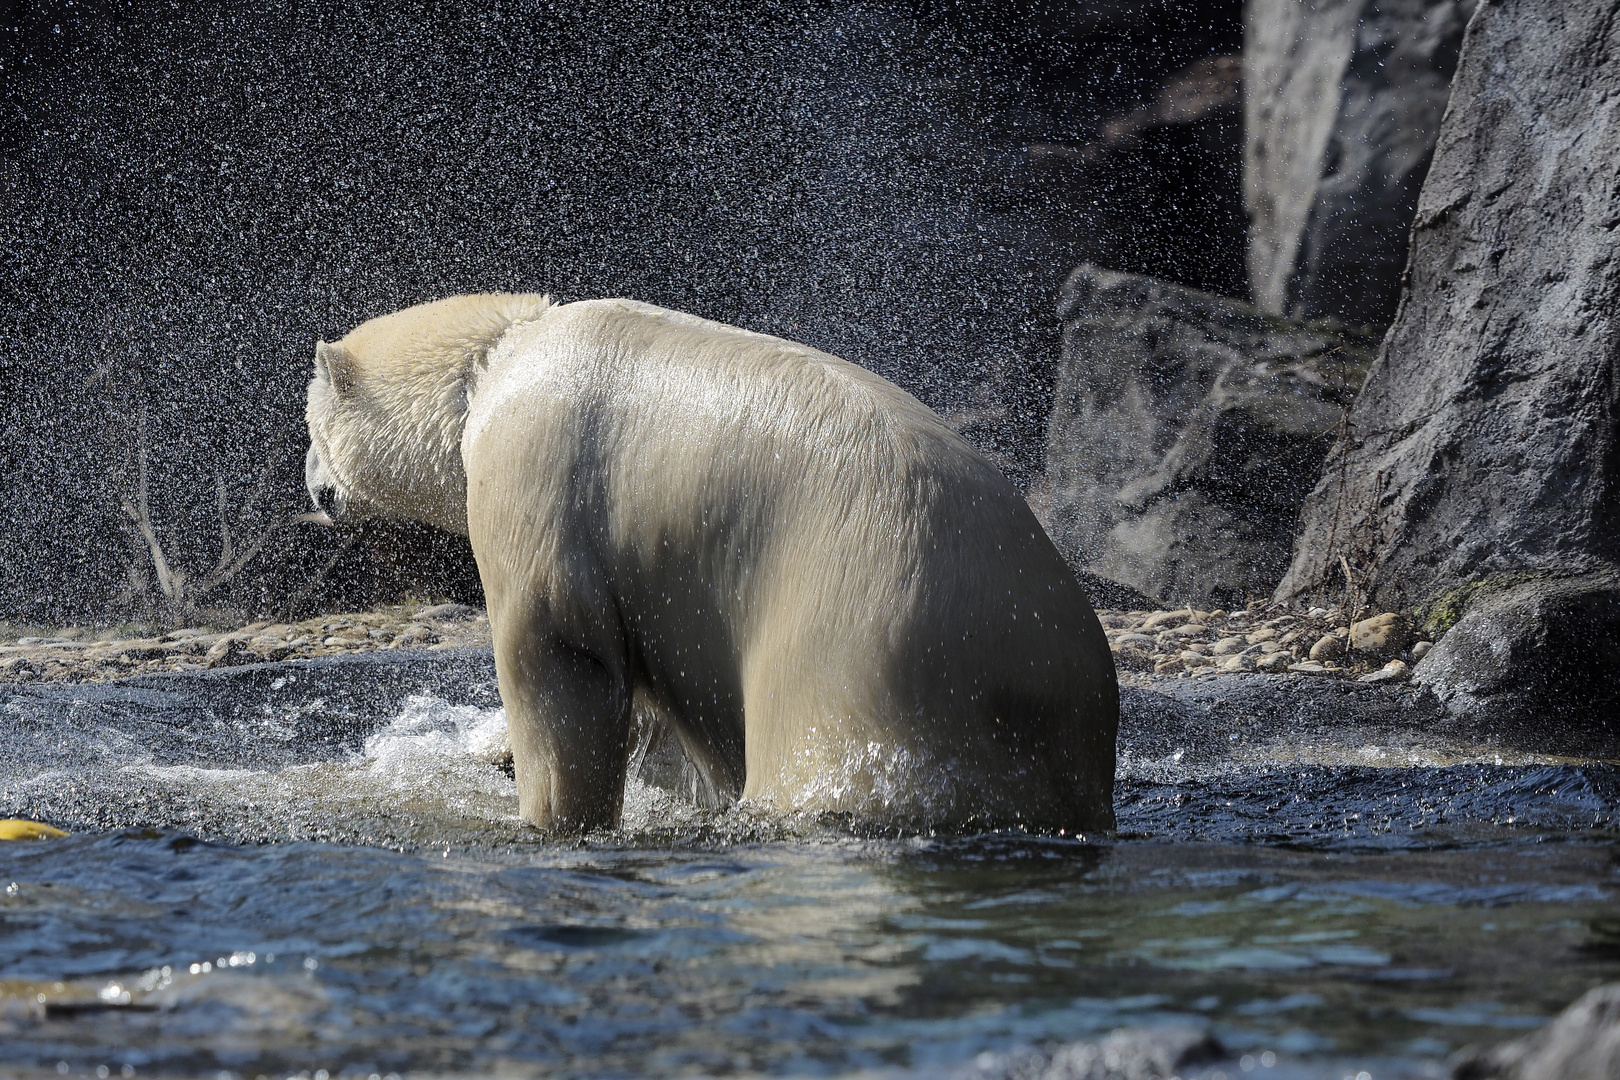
(270, 880)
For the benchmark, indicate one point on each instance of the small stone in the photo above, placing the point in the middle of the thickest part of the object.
(1165, 618)
(1191, 659)
(1317, 613)
(1308, 667)
(1420, 650)
(1236, 663)
(416, 634)
(1394, 671)
(1274, 663)
(1328, 647)
(1229, 646)
(1139, 640)
(1381, 636)
(225, 652)
(1265, 633)
(1131, 658)
(1269, 648)
(448, 612)
(1168, 666)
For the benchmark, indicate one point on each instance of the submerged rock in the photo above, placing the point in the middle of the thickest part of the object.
(1125, 1054)
(1186, 429)
(1342, 105)
(1582, 1043)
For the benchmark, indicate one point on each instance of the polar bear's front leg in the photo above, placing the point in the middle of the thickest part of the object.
(568, 718)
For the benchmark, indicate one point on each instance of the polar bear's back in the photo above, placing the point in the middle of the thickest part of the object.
(687, 429)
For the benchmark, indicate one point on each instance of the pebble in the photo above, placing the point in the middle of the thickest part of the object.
(1328, 647)
(1236, 663)
(1382, 635)
(1265, 633)
(1310, 667)
(416, 634)
(1165, 618)
(1227, 646)
(1420, 650)
(449, 612)
(1393, 671)
(1130, 658)
(1273, 663)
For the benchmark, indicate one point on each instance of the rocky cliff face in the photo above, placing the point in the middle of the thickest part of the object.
(1186, 429)
(1480, 467)
(1484, 441)
(1343, 101)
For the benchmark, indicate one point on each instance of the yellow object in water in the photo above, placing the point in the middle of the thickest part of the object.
(18, 829)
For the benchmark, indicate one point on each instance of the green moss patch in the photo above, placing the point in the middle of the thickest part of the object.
(1443, 610)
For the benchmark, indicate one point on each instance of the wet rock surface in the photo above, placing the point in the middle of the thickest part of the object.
(1525, 651)
(1582, 1043)
(1185, 431)
(1342, 107)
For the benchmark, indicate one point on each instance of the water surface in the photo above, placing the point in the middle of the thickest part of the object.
(263, 883)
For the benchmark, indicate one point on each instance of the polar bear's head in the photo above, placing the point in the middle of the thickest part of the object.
(388, 403)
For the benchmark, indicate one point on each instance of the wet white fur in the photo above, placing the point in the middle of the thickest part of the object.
(836, 602)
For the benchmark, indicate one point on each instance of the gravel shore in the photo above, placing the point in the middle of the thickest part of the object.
(1148, 645)
(79, 654)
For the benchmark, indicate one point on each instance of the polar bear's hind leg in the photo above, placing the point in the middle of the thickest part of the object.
(568, 718)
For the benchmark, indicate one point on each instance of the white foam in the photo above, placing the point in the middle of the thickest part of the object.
(429, 729)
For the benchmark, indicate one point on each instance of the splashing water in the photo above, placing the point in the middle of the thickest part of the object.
(1335, 915)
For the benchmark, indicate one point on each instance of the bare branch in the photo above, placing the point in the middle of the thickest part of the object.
(170, 582)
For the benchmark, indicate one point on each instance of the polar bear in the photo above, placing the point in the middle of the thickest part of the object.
(834, 601)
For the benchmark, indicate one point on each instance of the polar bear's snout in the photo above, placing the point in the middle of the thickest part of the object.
(322, 491)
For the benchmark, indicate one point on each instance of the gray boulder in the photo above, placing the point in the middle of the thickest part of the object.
(1522, 649)
(1484, 442)
(1343, 101)
(1582, 1043)
(1185, 431)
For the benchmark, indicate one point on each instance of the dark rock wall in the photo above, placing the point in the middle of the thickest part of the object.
(1343, 102)
(1186, 430)
(1484, 441)
(1162, 183)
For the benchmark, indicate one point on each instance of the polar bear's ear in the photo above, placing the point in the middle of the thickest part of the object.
(336, 365)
